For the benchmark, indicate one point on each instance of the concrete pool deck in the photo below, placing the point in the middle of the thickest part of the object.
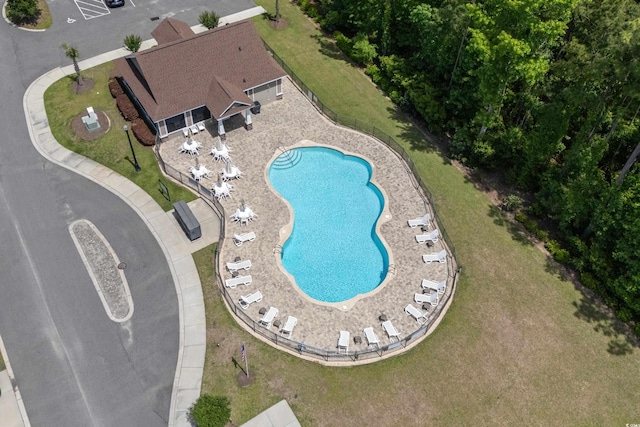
(281, 125)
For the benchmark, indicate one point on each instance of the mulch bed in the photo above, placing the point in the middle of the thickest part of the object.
(87, 85)
(244, 380)
(280, 25)
(81, 130)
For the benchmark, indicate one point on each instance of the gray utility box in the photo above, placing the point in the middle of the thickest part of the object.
(187, 220)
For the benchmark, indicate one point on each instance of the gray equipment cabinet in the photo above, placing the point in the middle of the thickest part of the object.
(187, 220)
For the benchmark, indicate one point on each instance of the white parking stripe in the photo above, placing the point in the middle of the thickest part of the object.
(92, 8)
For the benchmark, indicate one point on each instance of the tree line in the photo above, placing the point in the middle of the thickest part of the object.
(546, 92)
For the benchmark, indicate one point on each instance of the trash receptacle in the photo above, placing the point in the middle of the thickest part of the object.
(256, 107)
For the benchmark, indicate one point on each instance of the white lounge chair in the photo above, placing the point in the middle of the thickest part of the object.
(268, 317)
(439, 287)
(372, 338)
(419, 222)
(235, 281)
(343, 341)
(288, 326)
(194, 129)
(426, 298)
(239, 239)
(246, 300)
(440, 257)
(391, 330)
(185, 132)
(432, 236)
(240, 265)
(201, 127)
(420, 316)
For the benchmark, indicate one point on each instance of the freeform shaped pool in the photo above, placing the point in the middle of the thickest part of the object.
(333, 252)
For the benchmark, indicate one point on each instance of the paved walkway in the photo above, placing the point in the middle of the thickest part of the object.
(12, 411)
(11, 416)
(279, 415)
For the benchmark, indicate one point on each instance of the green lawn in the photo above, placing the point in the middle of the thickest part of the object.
(111, 149)
(2, 367)
(519, 343)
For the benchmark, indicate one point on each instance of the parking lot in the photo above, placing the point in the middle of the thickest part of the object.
(92, 8)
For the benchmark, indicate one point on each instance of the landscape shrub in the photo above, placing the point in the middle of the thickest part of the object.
(511, 203)
(22, 11)
(343, 42)
(143, 134)
(624, 315)
(114, 88)
(373, 71)
(126, 107)
(363, 52)
(589, 281)
(557, 252)
(542, 235)
(209, 19)
(132, 42)
(310, 9)
(531, 225)
(210, 411)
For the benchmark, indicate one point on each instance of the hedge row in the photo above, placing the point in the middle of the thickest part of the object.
(142, 132)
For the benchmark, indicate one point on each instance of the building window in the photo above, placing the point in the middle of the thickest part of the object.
(175, 123)
(200, 114)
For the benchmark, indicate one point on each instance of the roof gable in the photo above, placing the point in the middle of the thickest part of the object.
(170, 30)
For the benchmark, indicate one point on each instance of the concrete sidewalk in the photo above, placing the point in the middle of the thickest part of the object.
(12, 411)
(9, 409)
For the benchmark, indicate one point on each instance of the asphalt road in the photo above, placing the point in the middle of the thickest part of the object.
(74, 366)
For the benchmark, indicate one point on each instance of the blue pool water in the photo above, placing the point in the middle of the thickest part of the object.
(333, 252)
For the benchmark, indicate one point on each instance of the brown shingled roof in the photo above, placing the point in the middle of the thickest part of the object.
(170, 30)
(212, 68)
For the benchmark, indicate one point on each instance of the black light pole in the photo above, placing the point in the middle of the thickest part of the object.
(135, 160)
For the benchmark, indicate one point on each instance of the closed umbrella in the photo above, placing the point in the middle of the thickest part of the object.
(229, 167)
(219, 144)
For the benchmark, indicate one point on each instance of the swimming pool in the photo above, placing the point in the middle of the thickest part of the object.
(333, 252)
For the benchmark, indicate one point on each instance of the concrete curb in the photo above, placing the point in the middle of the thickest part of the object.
(192, 347)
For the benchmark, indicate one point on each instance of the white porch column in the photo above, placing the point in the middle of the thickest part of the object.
(221, 130)
(247, 121)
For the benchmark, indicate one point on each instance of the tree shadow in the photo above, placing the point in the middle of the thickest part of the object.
(329, 49)
(593, 311)
(518, 233)
(555, 268)
(416, 134)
